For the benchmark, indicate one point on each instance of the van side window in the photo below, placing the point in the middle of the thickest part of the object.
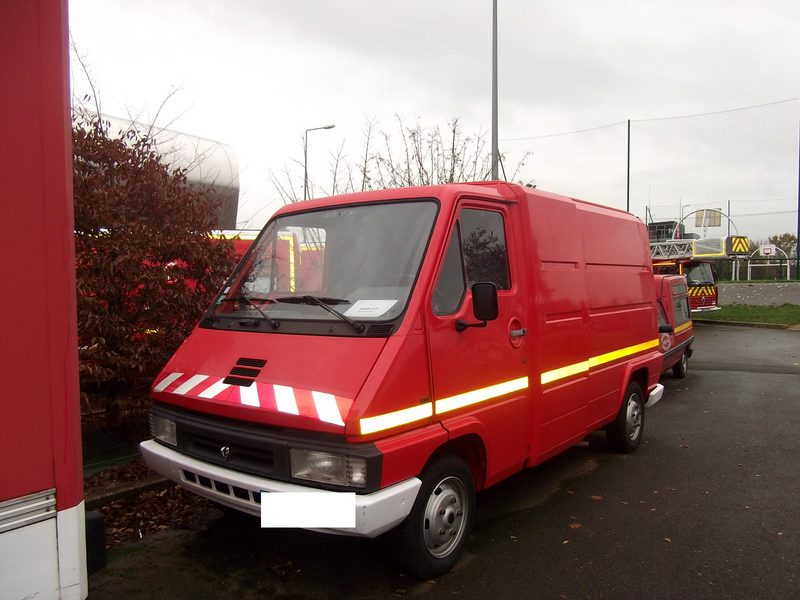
(484, 240)
(662, 315)
(450, 286)
(681, 310)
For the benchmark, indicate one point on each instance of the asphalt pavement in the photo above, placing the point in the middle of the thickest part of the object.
(706, 508)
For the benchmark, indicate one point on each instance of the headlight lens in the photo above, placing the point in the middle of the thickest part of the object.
(323, 467)
(163, 429)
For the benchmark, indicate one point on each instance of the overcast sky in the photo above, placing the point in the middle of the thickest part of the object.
(255, 74)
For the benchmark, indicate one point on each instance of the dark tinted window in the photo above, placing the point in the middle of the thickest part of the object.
(679, 288)
(484, 241)
(681, 310)
(662, 315)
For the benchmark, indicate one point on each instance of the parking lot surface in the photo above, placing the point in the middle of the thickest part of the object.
(706, 508)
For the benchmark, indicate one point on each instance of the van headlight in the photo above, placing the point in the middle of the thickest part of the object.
(163, 429)
(324, 467)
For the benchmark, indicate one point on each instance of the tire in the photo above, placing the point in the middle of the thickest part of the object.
(434, 534)
(681, 367)
(626, 432)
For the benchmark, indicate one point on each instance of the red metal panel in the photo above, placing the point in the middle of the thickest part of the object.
(332, 365)
(40, 428)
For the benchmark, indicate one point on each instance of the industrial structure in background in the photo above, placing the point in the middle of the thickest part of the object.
(675, 253)
(208, 163)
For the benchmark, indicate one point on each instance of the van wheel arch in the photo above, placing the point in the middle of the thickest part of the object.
(471, 449)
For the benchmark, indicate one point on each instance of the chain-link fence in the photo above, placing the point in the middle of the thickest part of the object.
(743, 162)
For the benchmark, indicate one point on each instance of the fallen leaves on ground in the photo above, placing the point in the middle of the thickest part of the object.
(134, 471)
(142, 514)
(149, 512)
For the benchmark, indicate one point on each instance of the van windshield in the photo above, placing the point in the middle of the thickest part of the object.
(700, 274)
(347, 263)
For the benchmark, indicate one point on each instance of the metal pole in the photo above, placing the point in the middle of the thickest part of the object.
(495, 149)
(729, 218)
(305, 165)
(305, 157)
(797, 231)
(628, 200)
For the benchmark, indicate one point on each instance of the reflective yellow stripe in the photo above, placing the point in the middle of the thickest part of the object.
(594, 361)
(608, 357)
(683, 327)
(563, 372)
(480, 395)
(423, 411)
(396, 418)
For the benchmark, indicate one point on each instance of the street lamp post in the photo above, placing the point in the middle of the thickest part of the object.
(305, 157)
(495, 149)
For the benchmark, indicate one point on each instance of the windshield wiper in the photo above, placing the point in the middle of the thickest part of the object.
(241, 297)
(324, 302)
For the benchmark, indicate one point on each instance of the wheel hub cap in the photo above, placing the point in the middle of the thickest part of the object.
(445, 517)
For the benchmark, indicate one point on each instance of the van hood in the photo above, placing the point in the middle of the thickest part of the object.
(302, 381)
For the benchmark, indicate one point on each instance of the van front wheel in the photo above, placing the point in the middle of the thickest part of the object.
(626, 432)
(435, 532)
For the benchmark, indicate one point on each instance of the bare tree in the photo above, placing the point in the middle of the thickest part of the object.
(410, 155)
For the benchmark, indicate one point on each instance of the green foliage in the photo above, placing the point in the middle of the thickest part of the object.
(785, 241)
(786, 314)
(146, 263)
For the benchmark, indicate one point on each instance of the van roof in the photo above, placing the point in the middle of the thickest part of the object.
(501, 190)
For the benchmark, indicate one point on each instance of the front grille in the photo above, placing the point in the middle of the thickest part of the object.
(256, 457)
(257, 450)
(220, 487)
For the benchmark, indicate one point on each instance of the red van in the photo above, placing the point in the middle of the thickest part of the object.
(675, 324)
(420, 345)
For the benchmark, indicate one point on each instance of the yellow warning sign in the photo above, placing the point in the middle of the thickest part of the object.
(701, 290)
(737, 244)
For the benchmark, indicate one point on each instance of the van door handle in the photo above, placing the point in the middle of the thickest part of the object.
(515, 333)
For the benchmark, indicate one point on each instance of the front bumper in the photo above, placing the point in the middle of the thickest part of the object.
(376, 513)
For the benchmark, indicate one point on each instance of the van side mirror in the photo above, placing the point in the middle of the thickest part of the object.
(484, 305)
(665, 328)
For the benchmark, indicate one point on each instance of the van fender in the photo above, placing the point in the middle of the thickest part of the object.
(644, 370)
(465, 437)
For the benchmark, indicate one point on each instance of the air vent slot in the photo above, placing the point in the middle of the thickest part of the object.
(251, 362)
(240, 381)
(385, 329)
(245, 372)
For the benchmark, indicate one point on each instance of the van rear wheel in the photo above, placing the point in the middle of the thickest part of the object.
(626, 432)
(681, 367)
(434, 534)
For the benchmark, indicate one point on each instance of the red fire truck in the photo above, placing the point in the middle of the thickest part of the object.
(419, 345)
(692, 258)
(42, 525)
(701, 279)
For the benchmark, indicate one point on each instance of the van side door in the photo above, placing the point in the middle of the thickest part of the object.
(480, 374)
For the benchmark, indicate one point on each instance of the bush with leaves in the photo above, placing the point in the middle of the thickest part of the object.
(146, 263)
